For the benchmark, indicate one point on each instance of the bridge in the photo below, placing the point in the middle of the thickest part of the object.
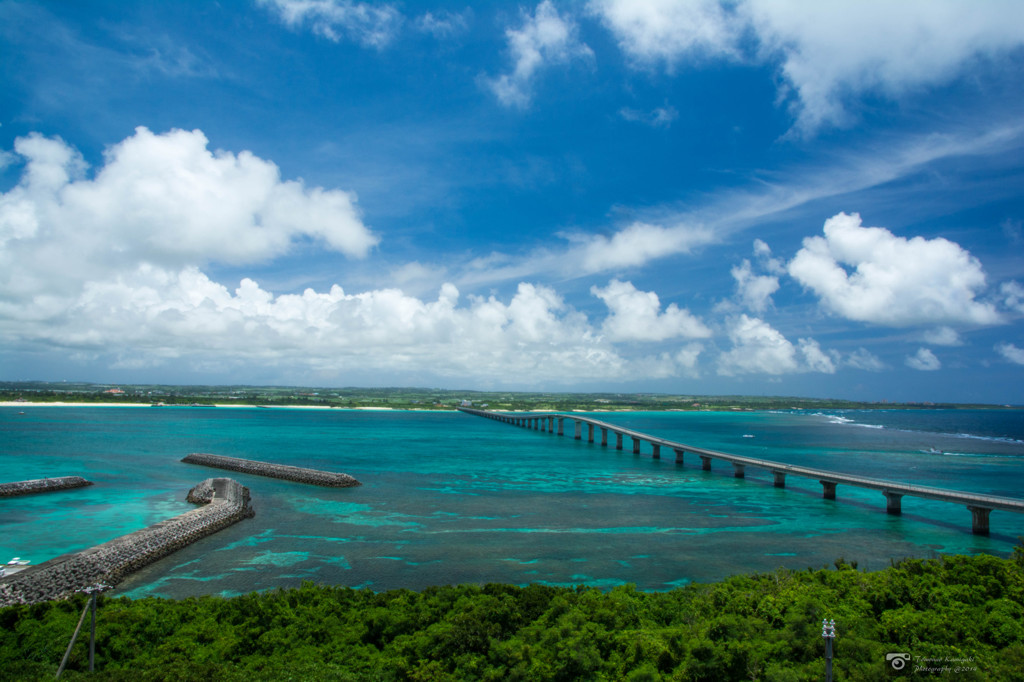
(980, 506)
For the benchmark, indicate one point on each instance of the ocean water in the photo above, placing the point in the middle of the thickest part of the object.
(453, 498)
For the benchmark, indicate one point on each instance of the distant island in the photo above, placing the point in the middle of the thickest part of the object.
(426, 398)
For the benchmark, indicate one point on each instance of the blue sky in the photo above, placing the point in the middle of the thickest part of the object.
(752, 197)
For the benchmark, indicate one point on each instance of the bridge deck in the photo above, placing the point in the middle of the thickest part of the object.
(979, 504)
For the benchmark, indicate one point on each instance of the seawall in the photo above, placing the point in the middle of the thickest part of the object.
(42, 485)
(327, 479)
(226, 502)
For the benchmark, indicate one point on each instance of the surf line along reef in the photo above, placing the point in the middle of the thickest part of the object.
(225, 502)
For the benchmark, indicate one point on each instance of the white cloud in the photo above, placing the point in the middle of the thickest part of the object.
(942, 336)
(895, 281)
(152, 316)
(829, 50)
(636, 316)
(660, 117)
(1011, 352)
(109, 268)
(544, 38)
(1013, 296)
(759, 348)
(764, 256)
(864, 359)
(923, 360)
(370, 24)
(667, 31)
(635, 245)
(755, 291)
(687, 356)
(444, 24)
(826, 52)
(164, 199)
(817, 360)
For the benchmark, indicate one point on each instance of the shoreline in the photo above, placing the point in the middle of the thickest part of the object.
(60, 403)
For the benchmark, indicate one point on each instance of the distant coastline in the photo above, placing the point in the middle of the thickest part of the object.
(21, 393)
(230, 406)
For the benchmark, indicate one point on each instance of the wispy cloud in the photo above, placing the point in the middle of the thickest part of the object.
(371, 25)
(544, 38)
(659, 117)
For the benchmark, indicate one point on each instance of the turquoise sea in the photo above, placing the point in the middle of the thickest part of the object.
(454, 498)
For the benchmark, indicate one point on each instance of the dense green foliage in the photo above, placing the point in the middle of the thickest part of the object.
(759, 627)
(415, 398)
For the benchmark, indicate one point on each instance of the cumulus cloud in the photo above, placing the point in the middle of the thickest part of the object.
(942, 336)
(1013, 296)
(1011, 352)
(759, 348)
(826, 52)
(544, 38)
(370, 24)
(636, 316)
(666, 31)
(153, 315)
(109, 267)
(755, 291)
(894, 281)
(831, 49)
(815, 359)
(164, 199)
(923, 360)
(864, 359)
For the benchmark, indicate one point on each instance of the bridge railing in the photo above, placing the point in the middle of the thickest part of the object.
(979, 505)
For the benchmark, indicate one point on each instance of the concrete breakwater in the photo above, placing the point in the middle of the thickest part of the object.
(42, 485)
(327, 479)
(226, 502)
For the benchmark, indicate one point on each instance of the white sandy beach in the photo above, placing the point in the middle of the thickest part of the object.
(16, 403)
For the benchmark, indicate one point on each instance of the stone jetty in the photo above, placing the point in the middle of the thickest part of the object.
(327, 479)
(226, 502)
(42, 485)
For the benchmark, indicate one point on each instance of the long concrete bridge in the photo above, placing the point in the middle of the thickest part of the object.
(980, 506)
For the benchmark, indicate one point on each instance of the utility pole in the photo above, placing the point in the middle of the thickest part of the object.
(92, 591)
(828, 632)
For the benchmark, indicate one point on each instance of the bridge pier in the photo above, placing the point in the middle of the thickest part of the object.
(979, 520)
(980, 506)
